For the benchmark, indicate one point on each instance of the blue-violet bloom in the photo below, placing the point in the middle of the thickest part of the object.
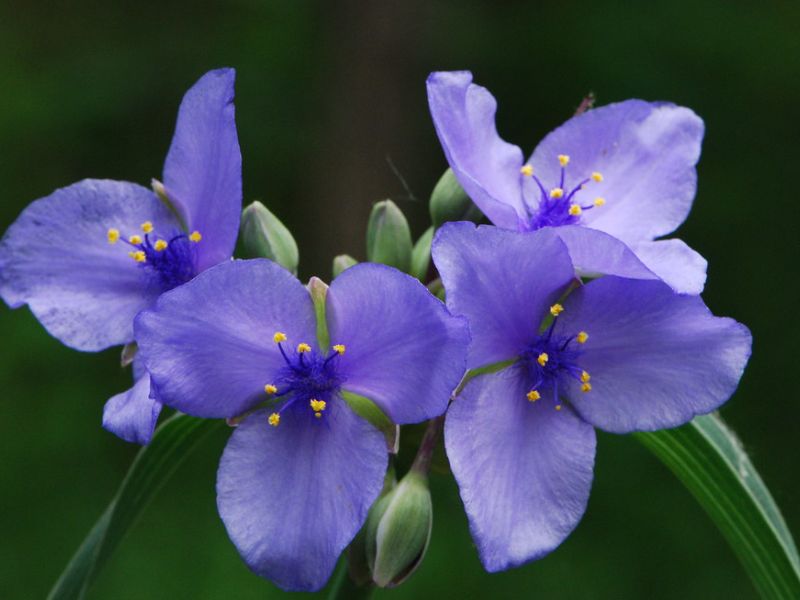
(625, 169)
(619, 354)
(301, 470)
(131, 246)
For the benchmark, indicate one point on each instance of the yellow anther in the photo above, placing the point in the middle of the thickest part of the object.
(195, 236)
(542, 358)
(556, 193)
(563, 160)
(318, 405)
(339, 348)
(556, 309)
(582, 337)
(598, 177)
(113, 235)
(558, 407)
(147, 227)
(270, 389)
(586, 387)
(599, 201)
(585, 377)
(138, 256)
(279, 337)
(575, 210)
(526, 170)
(533, 395)
(318, 415)
(160, 245)
(303, 347)
(274, 419)
(135, 240)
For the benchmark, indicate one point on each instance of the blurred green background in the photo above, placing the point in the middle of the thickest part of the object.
(327, 95)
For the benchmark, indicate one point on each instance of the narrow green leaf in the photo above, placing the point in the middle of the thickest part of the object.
(171, 444)
(708, 458)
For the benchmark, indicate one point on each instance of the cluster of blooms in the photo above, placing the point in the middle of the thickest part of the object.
(564, 315)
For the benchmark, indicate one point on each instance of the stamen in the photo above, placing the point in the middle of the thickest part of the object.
(147, 227)
(599, 201)
(575, 210)
(556, 193)
(585, 377)
(582, 337)
(533, 395)
(586, 387)
(558, 407)
(135, 240)
(556, 309)
(598, 177)
(195, 237)
(279, 337)
(270, 389)
(526, 170)
(139, 256)
(113, 235)
(339, 348)
(302, 347)
(160, 245)
(274, 419)
(542, 359)
(317, 405)
(563, 160)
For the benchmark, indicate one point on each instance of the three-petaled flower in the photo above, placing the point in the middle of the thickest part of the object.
(89, 257)
(618, 354)
(622, 172)
(301, 469)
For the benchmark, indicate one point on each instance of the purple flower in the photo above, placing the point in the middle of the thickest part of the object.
(618, 354)
(89, 257)
(626, 169)
(301, 470)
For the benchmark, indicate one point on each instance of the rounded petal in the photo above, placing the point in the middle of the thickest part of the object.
(203, 169)
(524, 469)
(680, 267)
(405, 351)
(502, 281)
(132, 415)
(293, 496)
(487, 167)
(56, 258)
(596, 253)
(208, 343)
(656, 358)
(647, 154)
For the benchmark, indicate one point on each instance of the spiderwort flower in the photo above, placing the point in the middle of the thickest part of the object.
(618, 354)
(89, 257)
(299, 474)
(626, 169)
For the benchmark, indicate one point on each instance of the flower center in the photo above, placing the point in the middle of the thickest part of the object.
(550, 358)
(169, 258)
(308, 382)
(557, 206)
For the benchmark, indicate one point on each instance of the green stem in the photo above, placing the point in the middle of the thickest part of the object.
(344, 588)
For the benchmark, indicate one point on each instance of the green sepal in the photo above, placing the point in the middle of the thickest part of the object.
(389, 237)
(421, 255)
(319, 293)
(263, 235)
(368, 410)
(341, 263)
(449, 202)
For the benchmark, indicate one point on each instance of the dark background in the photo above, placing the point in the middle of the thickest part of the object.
(326, 93)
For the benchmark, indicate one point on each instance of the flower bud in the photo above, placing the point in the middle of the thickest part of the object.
(421, 255)
(449, 202)
(264, 236)
(342, 262)
(398, 530)
(388, 236)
